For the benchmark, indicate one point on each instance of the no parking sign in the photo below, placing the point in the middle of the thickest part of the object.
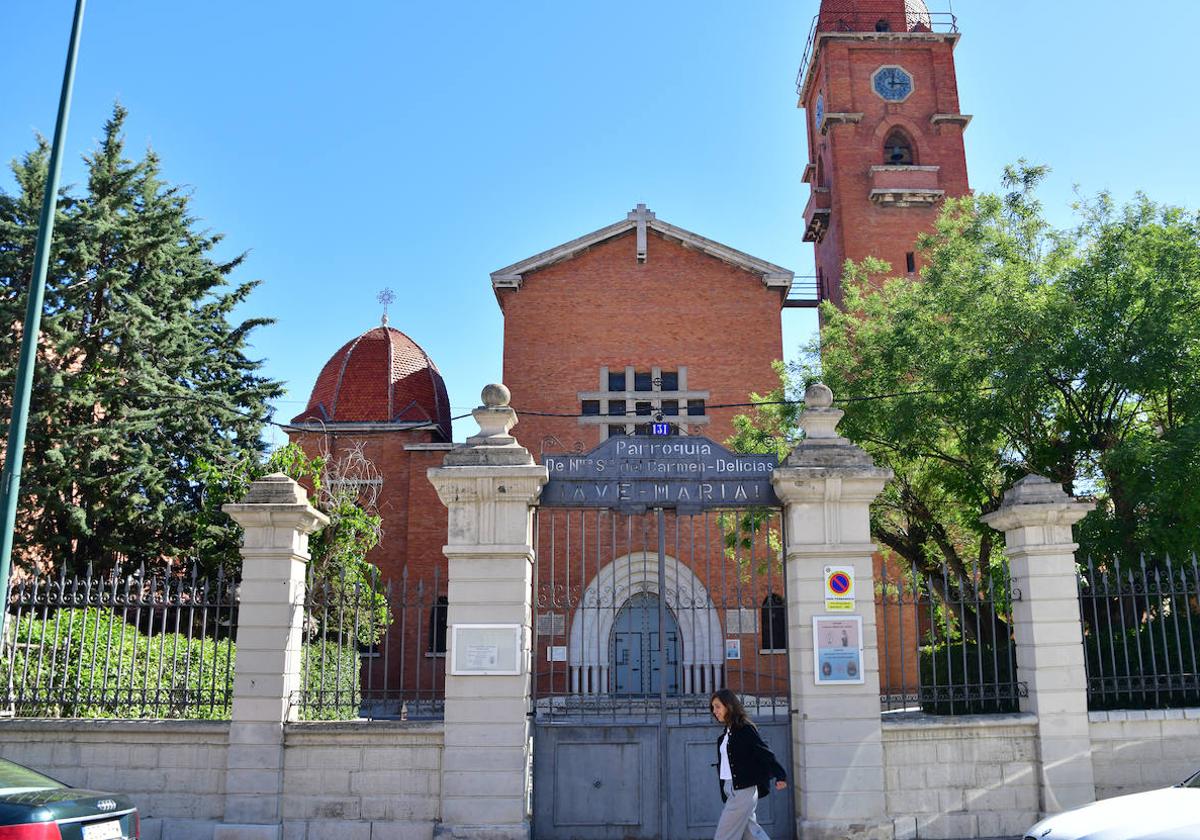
(839, 589)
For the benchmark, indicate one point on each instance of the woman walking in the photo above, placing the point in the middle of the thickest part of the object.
(745, 765)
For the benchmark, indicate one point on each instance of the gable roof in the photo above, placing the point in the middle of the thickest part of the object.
(772, 276)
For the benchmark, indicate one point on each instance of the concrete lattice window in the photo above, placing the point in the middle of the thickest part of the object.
(631, 400)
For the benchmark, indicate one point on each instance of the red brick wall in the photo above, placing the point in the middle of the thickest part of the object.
(414, 519)
(603, 308)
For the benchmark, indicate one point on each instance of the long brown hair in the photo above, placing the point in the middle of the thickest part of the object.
(735, 711)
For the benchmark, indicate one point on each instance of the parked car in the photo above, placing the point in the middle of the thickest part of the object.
(1167, 814)
(36, 807)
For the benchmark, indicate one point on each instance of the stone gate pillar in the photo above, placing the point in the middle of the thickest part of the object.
(1036, 518)
(277, 519)
(489, 486)
(827, 485)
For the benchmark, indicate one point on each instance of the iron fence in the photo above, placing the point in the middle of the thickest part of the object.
(119, 645)
(868, 17)
(608, 583)
(374, 649)
(945, 643)
(1141, 631)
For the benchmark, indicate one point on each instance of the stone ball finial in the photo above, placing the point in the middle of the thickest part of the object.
(496, 395)
(818, 395)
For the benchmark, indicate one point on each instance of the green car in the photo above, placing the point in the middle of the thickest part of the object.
(36, 807)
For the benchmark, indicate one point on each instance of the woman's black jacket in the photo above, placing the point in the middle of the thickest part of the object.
(750, 759)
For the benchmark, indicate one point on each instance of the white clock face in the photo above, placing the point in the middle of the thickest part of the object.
(819, 111)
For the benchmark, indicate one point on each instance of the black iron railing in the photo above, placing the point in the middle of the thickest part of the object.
(806, 292)
(119, 645)
(1141, 633)
(876, 18)
(598, 593)
(945, 640)
(374, 649)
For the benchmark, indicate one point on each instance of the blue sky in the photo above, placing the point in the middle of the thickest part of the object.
(419, 146)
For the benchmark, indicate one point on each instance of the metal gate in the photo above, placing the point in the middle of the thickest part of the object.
(641, 612)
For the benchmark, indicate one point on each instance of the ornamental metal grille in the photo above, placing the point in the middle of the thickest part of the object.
(639, 617)
(1141, 631)
(945, 639)
(126, 644)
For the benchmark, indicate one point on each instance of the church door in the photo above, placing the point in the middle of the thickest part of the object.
(637, 657)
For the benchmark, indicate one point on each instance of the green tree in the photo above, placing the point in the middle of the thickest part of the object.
(1074, 353)
(142, 371)
(345, 592)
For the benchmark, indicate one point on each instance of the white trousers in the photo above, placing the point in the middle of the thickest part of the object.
(738, 821)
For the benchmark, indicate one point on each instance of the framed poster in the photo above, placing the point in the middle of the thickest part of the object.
(485, 649)
(733, 648)
(837, 649)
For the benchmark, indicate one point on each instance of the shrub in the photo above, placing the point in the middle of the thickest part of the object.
(91, 663)
(965, 677)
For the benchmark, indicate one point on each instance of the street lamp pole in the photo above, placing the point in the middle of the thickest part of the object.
(10, 482)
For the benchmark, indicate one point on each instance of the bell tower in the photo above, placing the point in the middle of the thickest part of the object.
(885, 132)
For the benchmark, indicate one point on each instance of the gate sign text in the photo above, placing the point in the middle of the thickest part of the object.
(689, 473)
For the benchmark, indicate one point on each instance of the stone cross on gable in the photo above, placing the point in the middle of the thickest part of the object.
(641, 215)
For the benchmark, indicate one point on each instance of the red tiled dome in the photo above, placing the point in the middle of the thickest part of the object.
(382, 376)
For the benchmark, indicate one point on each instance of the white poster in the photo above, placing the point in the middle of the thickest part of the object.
(485, 649)
(837, 649)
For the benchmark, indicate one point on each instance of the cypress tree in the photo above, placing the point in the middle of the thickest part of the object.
(142, 376)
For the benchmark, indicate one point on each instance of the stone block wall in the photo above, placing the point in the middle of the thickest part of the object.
(970, 776)
(1134, 751)
(173, 769)
(361, 780)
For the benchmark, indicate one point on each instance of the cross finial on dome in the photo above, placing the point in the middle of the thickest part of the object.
(385, 297)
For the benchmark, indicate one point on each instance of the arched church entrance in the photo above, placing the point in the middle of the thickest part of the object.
(630, 585)
(641, 662)
(649, 594)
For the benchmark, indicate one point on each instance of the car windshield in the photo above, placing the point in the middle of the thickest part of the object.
(1193, 782)
(14, 777)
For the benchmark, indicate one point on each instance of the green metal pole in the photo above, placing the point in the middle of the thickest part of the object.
(10, 483)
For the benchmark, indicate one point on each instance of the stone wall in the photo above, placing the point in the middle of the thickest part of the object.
(970, 776)
(1134, 751)
(173, 769)
(361, 780)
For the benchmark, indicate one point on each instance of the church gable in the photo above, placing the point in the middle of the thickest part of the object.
(639, 234)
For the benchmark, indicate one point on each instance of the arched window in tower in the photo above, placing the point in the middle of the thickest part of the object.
(898, 149)
(774, 623)
(882, 25)
(822, 179)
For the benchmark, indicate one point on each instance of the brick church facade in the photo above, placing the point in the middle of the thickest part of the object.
(643, 322)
